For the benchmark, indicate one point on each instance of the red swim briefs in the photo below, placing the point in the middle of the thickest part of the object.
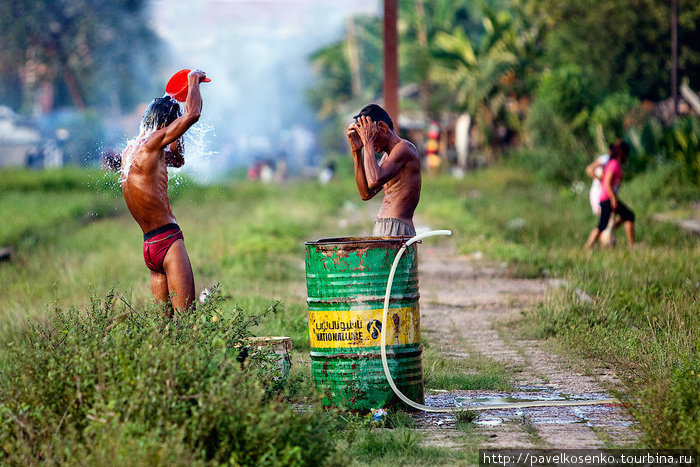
(156, 244)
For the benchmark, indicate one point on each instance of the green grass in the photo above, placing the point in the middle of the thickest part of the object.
(402, 446)
(38, 206)
(73, 239)
(473, 373)
(643, 319)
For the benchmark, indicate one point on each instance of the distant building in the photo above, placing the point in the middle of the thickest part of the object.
(22, 144)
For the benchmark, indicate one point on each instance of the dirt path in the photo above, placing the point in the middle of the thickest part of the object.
(464, 303)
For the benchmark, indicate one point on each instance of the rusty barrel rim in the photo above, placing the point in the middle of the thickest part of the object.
(326, 288)
(357, 240)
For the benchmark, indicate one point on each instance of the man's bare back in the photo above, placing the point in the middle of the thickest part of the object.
(145, 185)
(397, 173)
(145, 165)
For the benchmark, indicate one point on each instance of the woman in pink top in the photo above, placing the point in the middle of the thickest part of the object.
(609, 203)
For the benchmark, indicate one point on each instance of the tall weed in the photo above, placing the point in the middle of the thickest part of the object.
(148, 381)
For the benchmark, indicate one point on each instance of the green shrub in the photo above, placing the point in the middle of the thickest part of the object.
(610, 116)
(677, 144)
(77, 380)
(466, 416)
(674, 418)
(681, 144)
(552, 164)
(659, 189)
(558, 120)
(567, 91)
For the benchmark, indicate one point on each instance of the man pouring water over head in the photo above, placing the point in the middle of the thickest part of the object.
(145, 185)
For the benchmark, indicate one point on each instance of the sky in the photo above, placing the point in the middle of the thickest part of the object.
(256, 53)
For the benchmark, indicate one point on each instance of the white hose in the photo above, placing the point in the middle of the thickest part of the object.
(385, 364)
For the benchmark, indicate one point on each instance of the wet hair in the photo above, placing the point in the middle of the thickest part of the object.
(162, 111)
(376, 114)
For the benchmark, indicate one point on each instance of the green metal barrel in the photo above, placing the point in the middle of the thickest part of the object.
(346, 283)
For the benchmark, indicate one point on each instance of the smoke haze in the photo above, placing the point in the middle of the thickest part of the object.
(257, 55)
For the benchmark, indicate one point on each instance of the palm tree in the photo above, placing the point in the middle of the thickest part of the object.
(334, 87)
(474, 76)
(420, 21)
(346, 70)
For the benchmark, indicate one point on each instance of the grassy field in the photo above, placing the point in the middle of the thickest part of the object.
(74, 242)
(642, 316)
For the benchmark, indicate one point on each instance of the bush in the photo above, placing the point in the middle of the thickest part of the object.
(115, 381)
(678, 144)
(610, 117)
(552, 165)
(681, 143)
(567, 91)
(558, 120)
(674, 420)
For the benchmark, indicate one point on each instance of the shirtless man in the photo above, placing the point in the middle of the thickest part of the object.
(145, 186)
(398, 171)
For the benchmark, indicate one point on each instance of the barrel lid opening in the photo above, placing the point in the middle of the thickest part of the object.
(350, 240)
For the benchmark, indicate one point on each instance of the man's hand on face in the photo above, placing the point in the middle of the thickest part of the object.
(367, 129)
(354, 138)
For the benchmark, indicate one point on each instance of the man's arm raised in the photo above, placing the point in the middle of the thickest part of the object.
(360, 178)
(193, 109)
(174, 154)
(377, 175)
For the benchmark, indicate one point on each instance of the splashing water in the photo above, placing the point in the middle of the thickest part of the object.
(127, 157)
(197, 155)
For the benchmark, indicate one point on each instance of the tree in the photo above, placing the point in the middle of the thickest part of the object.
(626, 42)
(475, 75)
(420, 22)
(357, 58)
(73, 51)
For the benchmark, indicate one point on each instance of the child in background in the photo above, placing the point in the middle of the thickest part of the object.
(609, 202)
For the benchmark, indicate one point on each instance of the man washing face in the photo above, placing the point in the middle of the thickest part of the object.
(397, 173)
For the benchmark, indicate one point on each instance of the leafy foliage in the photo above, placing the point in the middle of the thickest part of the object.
(87, 51)
(558, 121)
(77, 379)
(682, 144)
(564, 79)
(626, 42)
(609, 119)
(677, 144)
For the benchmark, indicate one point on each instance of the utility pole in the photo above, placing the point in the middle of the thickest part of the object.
(391, 71)
(674, 56)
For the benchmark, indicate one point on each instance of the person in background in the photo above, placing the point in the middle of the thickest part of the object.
(397, 173)
(326, 174)
(609, 202)
(595, 170)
